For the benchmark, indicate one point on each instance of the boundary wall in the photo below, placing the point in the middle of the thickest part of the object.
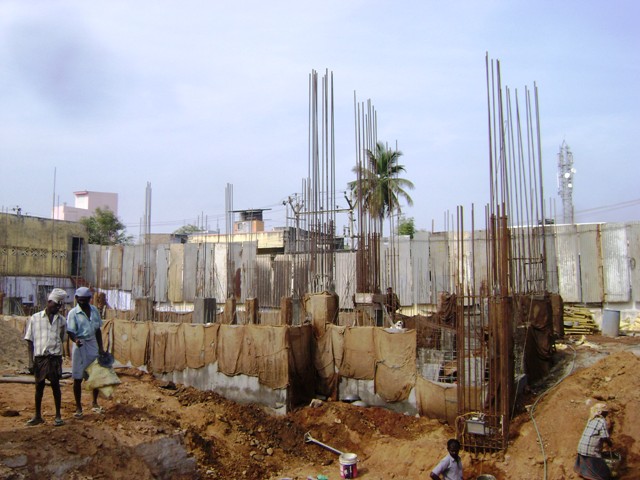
(591, 264)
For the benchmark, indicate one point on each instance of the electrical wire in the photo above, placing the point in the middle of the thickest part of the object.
(615, 206)
(533, 407)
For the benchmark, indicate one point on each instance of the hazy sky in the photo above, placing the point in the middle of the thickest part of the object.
(194, 95)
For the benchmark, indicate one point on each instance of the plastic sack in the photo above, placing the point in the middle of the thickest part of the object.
(104, 379)
(105, 359)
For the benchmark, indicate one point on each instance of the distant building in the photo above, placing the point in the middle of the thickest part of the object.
(86, 204)
(250, 221)
(250, 228)
(36, 255)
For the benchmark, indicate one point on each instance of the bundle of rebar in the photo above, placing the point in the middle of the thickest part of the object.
(579, 321)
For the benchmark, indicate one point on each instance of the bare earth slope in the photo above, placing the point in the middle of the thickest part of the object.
(154, 430)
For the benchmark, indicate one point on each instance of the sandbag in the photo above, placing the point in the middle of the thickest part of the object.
(102, 378)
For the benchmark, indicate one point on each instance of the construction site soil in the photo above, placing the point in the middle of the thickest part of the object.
(154, 429)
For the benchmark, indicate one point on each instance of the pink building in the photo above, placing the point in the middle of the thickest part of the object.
(85, 205)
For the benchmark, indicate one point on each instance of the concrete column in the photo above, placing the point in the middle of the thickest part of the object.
(323, 308)
(251, 305)
(144, 309)
(286, 311)
(229, 314)
(204, 310)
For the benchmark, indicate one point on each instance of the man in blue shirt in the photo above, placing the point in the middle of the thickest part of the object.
(83, 327)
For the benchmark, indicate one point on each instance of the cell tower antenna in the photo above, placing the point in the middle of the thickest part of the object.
(566, 172)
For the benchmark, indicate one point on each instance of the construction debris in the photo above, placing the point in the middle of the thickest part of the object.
(630, 326)
(579, 321)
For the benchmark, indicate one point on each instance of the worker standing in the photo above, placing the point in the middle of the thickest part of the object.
(450, 467)
(45, 334)
(392, 302)
(83, 326)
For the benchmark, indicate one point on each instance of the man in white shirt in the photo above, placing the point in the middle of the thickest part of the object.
(45, 334)
(450, 467)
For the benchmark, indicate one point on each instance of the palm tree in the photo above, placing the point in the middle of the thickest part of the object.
(379, 185)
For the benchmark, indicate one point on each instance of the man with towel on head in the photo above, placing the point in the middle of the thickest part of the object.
(83, 327)
(45, 334)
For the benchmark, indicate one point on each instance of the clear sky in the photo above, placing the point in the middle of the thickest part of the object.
(194, 95)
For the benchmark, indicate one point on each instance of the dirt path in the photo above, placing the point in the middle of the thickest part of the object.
(155, 430)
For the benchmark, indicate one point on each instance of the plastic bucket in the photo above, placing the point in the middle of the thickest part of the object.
(610, 323)
(348, 465)
(612, 459)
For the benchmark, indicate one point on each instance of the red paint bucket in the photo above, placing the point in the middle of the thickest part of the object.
(348, 465)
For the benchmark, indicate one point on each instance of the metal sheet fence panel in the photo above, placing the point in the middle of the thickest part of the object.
(241, 261)
(345, 278)
(519, 252)
(176, 270)
(281, 278)
(479, 264)
(567, 257)
(404, 283)
(591, 284)
(91, 271)
(264, 278)
(421, 281)
(207, 265)
(301, 274)
(221, 275)
(138, 269)
(439, 263)
(199, 265)
(234, 274)
(103, 266)
(128, 256)
(249, 253)
(552, 260)
(466, 277)
(115, 266)
(615, 263)
(192, 276)
(633, 237)
(163, 253)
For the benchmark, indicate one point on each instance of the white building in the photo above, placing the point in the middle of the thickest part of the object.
(86, 204)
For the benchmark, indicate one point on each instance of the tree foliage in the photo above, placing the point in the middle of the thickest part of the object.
(381, 188)
(104, 228)
(187, 229)
(406, 227)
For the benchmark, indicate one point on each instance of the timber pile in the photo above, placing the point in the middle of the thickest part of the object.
(579, 321)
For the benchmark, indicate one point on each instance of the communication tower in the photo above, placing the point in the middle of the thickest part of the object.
(566, 172)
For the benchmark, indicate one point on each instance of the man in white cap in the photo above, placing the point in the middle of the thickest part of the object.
(83, 327)
(45, 334)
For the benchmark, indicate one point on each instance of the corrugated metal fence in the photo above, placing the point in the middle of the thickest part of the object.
(591, 263)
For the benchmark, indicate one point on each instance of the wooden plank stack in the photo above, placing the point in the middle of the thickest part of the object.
(579, 321)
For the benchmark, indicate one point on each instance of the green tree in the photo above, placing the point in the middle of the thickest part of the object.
(381, 187)
(187, 229)
(406, 227)
(104, 228)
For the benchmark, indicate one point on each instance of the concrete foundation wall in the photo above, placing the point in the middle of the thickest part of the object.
(239, 388)
(365, 389)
